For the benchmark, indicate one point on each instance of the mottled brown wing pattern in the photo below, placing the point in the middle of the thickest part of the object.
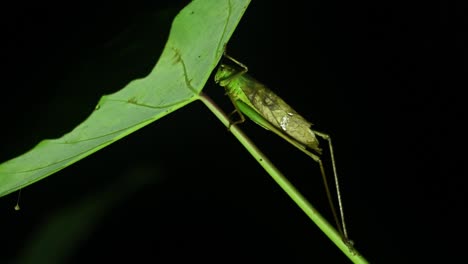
(281, 115)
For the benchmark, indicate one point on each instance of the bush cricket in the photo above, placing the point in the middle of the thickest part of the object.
(261, 105)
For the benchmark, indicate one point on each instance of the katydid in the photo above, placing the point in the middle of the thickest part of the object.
(268, 110)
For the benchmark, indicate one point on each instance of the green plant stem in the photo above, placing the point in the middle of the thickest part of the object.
(281, 180)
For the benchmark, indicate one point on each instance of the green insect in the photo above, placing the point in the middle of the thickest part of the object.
(268, 110)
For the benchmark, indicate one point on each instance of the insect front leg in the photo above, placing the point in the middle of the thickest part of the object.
(226, 78)
(240, 64)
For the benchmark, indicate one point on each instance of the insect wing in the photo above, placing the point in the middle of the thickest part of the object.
(280, 114)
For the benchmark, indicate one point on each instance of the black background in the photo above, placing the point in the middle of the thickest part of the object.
(182, 188)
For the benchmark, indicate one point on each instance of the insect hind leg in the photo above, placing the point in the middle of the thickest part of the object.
(337, 186)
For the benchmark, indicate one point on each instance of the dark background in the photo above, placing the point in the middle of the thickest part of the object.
(183, 188)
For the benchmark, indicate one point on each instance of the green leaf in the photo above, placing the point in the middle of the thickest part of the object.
(195, 45)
